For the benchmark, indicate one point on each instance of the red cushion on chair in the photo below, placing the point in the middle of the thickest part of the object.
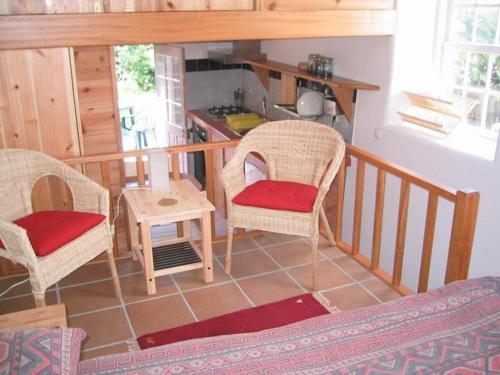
(49, 230)
(278, 195)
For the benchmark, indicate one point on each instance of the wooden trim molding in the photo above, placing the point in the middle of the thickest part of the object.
(72, 30)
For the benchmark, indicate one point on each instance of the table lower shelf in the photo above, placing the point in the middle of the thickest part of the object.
(176, 257)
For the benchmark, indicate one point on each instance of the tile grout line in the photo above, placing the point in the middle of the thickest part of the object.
(258, 247)
(127, 318)
(353, 283)
(184, 299)
(369, 291)
(71, 285)
(358, 282)
(147, 299)
(105, 346)
(83, 313)
(233, 280)
(281, 268)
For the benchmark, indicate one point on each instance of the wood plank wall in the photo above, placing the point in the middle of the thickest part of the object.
(37, 111)
(99, 116)
(93, 6)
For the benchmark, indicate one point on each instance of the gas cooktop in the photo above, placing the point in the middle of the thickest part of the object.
(220, 112)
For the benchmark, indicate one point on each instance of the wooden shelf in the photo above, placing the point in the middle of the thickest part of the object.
(335, 81)
(343, 88)
(441, 115)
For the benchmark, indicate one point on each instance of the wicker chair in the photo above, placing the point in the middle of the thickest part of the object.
(20, 169)
(295, 151)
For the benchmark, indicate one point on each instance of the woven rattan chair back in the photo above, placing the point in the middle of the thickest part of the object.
(21, 169)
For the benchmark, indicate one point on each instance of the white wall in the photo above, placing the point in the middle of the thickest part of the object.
(200, 50)
(389, 63)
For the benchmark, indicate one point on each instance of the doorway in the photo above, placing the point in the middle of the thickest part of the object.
(150, 85)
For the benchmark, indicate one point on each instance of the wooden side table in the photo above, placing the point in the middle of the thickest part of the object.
(181, 203)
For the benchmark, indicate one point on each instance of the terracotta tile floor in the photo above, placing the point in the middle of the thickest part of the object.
(266, 268)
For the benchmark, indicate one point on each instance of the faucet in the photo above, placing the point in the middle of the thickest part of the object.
(264, 106)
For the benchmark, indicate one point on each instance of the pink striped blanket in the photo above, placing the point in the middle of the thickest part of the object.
(451, 330)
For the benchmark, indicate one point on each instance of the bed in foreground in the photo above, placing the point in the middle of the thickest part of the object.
(453, 330)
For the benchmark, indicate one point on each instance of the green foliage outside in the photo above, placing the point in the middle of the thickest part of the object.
(485, 34)
(136, 63)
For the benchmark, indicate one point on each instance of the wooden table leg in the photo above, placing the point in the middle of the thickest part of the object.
(148, 257)
(133, 232)
(186, 229)
(208, 272)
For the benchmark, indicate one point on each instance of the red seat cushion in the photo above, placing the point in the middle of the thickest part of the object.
(49, 230)
(278, 195)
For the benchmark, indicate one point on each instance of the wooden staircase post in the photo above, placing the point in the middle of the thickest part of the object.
(462, 235)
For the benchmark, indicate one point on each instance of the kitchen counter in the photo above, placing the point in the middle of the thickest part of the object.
(217, 125)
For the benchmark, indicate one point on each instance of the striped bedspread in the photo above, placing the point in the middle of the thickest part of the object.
(451, 330)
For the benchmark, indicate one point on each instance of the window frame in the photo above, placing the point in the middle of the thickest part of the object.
(492, 50)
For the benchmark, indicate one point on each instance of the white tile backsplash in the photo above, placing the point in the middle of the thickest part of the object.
(209, 88)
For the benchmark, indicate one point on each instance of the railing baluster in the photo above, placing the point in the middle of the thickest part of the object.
(401, 233)
(340, 201)
(358, 205)
(430, 226)
(176, 174)
(378, 219)
(141, 178)
(462, 235)
(105, 175)
(209, 181)
(106, 182)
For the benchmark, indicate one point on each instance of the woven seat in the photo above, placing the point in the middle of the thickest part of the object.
(20, 169)
(300, 152)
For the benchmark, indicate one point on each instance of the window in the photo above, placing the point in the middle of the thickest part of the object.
(471, 64)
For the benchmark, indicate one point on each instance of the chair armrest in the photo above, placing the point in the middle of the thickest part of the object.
(16, 243)
(232, 176)
(328, 178)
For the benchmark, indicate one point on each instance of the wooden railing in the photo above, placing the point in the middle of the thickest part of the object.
(465, 202)
(464, 219)
(104, 161)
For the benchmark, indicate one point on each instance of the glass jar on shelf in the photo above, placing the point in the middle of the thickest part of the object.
(311, 62)
(327, 71)
(318, 72)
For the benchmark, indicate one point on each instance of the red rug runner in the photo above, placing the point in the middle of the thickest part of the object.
(254, 319)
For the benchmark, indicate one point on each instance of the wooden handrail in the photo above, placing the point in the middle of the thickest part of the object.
(140, 153)
(403, 173)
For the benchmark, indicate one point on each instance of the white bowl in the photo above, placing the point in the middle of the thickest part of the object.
(310, 104)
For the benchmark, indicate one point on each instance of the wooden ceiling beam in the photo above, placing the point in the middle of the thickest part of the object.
(72, 30)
